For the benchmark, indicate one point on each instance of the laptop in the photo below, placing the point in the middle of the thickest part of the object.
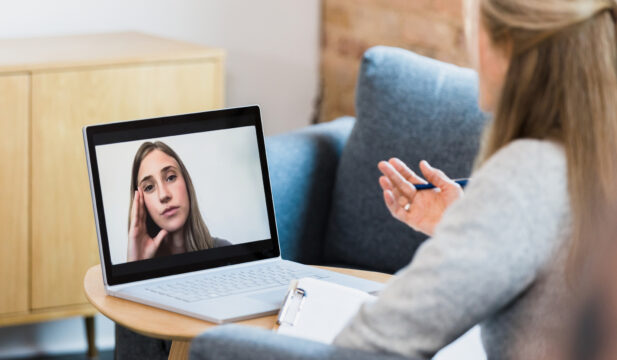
(185, 219)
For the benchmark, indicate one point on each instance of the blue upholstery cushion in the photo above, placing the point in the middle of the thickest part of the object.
(413, 108)
(302, 166)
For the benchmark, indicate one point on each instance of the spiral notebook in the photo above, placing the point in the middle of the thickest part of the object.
(318, 310)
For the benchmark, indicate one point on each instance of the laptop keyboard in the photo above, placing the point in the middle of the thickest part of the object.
(243, 280)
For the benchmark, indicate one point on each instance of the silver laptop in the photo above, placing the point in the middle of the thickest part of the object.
(185, 219)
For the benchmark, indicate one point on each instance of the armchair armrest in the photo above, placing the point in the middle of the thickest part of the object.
(302, 166)
(231, 342)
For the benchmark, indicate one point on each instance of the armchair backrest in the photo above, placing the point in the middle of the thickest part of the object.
(407, 106)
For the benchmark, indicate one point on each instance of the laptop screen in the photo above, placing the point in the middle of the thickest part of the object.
(181, 193)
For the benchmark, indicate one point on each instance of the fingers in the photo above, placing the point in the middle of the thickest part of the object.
(134, 209)
(398, 182)
(436, 176)
(397, 212)
(406, 172)
(391, 203)
(397, 197)
(388, 198)
(159, 238)
(391, 193)
(385, 183)
(142, 207)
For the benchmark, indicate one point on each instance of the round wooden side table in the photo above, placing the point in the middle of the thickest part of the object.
(167, 325)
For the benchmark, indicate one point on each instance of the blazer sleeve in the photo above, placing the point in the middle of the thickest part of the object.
(487, 249)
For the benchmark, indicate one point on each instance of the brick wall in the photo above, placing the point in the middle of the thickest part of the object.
(349, 27)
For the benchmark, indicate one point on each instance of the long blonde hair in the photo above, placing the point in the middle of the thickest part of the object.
(561, 85)
(196, 234)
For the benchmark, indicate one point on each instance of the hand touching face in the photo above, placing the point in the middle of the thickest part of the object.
(164, 190)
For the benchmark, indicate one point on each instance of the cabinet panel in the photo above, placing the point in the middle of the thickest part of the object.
(64, 242)
(14, 187)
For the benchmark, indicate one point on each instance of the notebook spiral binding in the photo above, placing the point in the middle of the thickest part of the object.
(291, 306)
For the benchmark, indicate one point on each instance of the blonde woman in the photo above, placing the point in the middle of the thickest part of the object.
(507, 252)
(164, 215)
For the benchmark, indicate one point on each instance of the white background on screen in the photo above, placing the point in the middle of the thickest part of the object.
(226, 173)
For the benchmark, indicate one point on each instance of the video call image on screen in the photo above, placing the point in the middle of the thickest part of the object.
(175, 194)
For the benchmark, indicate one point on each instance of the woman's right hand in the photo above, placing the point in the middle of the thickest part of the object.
(141, 245)
(421, 210)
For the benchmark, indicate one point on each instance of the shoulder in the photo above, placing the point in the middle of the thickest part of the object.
(526, 155)
(220, 242)
(524, 165)
(514, 207)
(523, 185)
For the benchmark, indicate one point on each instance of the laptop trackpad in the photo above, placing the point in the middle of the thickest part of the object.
(274, 297)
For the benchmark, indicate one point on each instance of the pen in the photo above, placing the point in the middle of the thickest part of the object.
(461, 182)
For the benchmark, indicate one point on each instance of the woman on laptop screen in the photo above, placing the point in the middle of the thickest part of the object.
(164, 217)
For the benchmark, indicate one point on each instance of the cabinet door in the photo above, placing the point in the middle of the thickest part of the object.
(14, 187)
(64, 241)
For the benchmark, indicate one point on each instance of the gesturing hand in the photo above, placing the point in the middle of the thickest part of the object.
(141, 245)
(421, 210)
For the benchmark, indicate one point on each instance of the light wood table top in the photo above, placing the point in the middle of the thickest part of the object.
(167, 325)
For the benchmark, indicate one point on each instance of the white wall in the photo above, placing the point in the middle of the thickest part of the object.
(272, 60)
(272, 45)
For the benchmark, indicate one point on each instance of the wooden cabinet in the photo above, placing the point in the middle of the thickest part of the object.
(49, 89)
(14, 193)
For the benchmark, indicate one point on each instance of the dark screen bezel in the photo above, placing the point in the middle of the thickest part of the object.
(168, 126)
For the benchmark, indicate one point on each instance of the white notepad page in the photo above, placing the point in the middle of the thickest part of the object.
(324, 311)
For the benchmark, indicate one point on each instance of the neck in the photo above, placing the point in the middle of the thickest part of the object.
(176, 243)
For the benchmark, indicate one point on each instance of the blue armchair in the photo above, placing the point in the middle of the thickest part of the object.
(328, 203)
